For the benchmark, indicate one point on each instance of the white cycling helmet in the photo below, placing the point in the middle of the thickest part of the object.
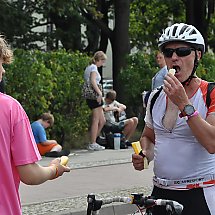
(183, 33)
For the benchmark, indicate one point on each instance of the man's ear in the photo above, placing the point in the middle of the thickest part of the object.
(199, 55)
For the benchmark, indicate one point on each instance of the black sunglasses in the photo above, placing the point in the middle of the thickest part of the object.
(181, 52)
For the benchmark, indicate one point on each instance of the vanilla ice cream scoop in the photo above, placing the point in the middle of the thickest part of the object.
(172, 71)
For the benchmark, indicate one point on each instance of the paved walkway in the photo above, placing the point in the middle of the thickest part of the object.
(106, 173)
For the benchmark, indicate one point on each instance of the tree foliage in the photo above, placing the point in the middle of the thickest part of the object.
(84, 25)
(201, 15)
(148, 18)
(17, 22)
(62, 21)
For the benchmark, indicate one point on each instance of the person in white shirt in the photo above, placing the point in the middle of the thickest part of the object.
(92, 75)
(179, 131)
(112, 111)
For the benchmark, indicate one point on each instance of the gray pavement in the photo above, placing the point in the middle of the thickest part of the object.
(105, 173)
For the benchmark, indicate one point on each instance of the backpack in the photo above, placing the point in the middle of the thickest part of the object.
(210, 87)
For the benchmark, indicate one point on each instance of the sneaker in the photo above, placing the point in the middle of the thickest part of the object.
(55, 154)
(95, 147)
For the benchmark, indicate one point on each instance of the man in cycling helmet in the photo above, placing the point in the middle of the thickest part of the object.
(179, 132)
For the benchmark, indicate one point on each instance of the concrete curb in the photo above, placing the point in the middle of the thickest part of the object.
(121, 209)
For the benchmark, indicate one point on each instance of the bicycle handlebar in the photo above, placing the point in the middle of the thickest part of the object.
(147, 202)
(175, 205)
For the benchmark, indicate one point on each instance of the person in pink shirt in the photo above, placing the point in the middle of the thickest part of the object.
(18, 150)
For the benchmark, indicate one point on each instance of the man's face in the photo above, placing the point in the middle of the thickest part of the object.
(180, 56)
(160, 60)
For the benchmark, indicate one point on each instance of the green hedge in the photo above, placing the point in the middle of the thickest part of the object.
(51, 81)
(206, 68)
(136, 78)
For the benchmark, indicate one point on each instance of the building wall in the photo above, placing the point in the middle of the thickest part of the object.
(107, 69)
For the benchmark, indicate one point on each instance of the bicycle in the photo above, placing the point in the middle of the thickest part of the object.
(145, 204)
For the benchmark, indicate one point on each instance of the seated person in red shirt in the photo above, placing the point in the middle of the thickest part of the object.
(112, 108)
(48, 148)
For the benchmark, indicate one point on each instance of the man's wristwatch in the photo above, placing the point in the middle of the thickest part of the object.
(188, 111)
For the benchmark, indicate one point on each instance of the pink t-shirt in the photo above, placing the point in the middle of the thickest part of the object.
(17, 147)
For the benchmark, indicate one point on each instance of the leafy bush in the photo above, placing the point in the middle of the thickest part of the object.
(51, 81)
(206, 68)
(136, 78)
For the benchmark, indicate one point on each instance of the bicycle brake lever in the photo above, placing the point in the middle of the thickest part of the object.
(93, 204)
(90, 201)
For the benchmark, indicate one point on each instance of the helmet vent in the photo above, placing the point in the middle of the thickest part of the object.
(183, 29)
(192, 32)
(174, 30)
(188, 29)
(168, 32)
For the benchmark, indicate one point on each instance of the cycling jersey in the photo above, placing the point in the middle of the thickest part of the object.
(177, 153)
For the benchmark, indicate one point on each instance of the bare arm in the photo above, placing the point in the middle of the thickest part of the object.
(203, 130)
(34, 174)
(95, 86)
(93, 81)
(110, 108)
(121, 107)
(147, 144)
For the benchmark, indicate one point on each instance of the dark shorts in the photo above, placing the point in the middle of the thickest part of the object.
(193, 200)
(92, 104)
(116, 127)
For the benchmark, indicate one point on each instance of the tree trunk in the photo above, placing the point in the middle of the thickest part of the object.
(120, 43)
(92, 33)
(196, 15)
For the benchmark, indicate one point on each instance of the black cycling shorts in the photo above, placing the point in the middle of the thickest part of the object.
(193, 200)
